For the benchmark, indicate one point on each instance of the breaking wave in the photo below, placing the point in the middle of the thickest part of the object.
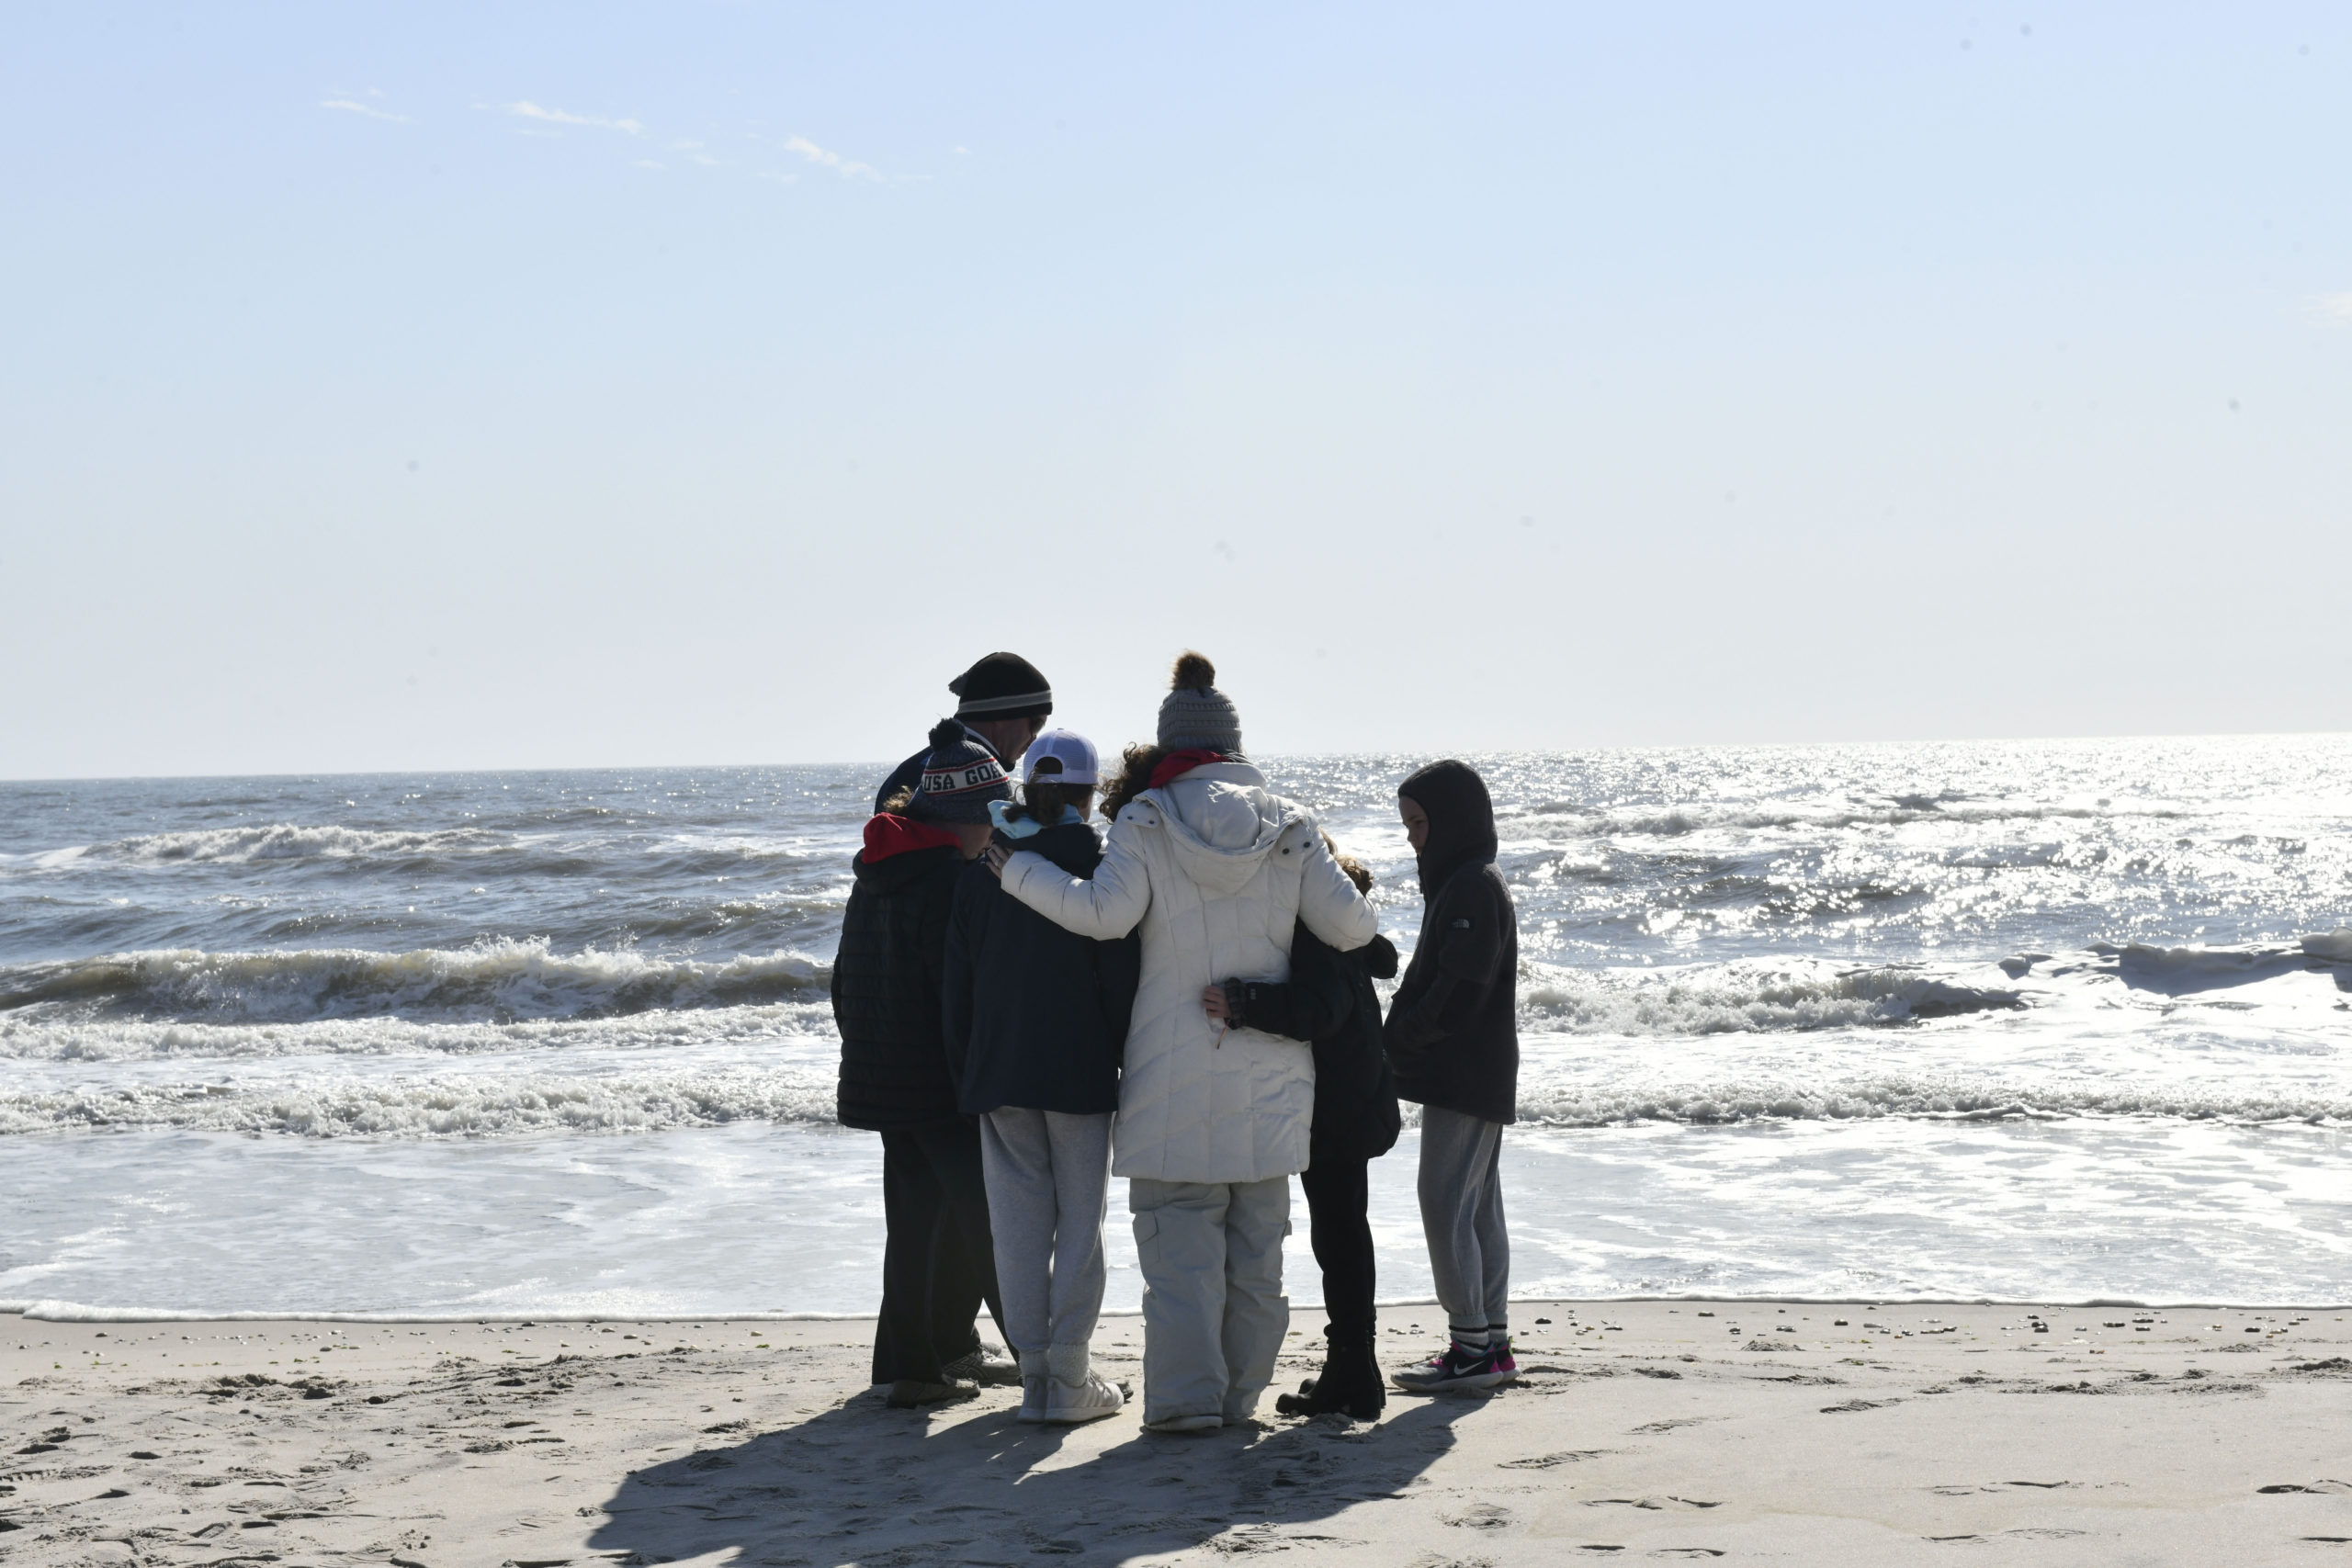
(1743, 998)
(1674, 821)
(1939, 1099)
(442, 1108)
(495, 981)
(446, 1106)
(27, 1036)
(285, 841)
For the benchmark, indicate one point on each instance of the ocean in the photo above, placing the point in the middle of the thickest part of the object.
(2057, 1021)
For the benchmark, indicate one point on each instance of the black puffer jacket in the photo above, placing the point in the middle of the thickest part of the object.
(888, 975)
(1036, 1016)
(1329, 1000)
(1452, 1029)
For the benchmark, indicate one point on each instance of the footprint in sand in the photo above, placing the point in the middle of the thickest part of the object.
(1548, 1462)
(1481, 1516)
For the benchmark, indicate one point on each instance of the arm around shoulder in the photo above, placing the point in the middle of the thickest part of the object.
(1329, 902)
(1109, 904)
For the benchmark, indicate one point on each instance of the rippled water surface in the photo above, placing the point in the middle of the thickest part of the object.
(2082, 1010)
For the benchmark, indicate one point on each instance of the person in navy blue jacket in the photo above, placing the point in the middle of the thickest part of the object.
(1035, 1020)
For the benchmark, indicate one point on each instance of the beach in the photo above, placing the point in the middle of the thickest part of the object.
(1681, 1430)
(434, 1171)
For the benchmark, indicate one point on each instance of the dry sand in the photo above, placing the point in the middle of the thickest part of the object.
(1687, 1430)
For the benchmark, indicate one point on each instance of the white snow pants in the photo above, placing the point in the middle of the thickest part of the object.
(1214, 1312)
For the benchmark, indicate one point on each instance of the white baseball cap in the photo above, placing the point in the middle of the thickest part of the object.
(1075, 752)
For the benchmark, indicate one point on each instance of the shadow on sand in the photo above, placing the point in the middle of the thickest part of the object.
(860, 1484)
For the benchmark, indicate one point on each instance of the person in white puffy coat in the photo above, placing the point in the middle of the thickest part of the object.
(1216, 870)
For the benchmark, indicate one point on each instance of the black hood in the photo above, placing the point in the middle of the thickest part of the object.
(1073, 846)
(1461, 821)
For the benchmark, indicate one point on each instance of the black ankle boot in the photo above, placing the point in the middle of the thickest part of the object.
(1349, 1383)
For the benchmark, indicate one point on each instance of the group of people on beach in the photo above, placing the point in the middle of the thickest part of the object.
(1028, 1006)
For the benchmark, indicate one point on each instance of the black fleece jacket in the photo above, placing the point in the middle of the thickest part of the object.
(1036, 1016)
(1452, 1031)
(1329, 1001)
(886, 983)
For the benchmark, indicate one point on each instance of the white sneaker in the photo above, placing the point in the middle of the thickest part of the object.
(1069, 1404)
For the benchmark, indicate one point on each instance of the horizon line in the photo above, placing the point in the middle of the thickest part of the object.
(1467, 752)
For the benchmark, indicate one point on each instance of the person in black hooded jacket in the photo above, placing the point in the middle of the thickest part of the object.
(1036, 1022)
(1331, 1003)
(938, 1263)
(1453, 1036)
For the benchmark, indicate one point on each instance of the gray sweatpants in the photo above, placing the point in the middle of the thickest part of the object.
(1214, 1312)
(1462, 1213)
(1049, 1177)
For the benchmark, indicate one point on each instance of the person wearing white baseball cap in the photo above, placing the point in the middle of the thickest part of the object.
(1035, 1020)
(1063, 757)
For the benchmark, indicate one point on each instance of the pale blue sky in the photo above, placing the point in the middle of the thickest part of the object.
(392, 387)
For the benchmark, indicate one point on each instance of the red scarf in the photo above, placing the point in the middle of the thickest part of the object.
(1176, 764)
(887, 835)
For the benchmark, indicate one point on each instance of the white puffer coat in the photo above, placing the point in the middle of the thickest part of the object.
(1217, 871)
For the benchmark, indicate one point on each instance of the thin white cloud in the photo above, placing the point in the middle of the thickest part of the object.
(350, 106)
(644, 164)
(2335, 310)
(847, 168)
(529, 111)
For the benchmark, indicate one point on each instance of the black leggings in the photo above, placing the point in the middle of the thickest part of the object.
(1336, 1201)
(938, 1260)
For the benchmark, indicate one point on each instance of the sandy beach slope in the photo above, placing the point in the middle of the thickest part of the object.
(1683, 1431)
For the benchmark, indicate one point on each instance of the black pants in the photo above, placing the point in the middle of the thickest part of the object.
(938, 1260)
(1336, 1202)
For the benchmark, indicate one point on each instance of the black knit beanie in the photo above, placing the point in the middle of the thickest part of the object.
(1003, 685)
(960, 776)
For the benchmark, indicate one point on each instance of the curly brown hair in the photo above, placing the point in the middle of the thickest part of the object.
(1357, 873)
(1135, 764)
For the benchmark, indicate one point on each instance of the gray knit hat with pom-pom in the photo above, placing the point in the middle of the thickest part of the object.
(1196, 714)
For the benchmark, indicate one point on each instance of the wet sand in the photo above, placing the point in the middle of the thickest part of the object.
(1685, 1431)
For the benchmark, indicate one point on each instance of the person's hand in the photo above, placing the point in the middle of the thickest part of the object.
(994, 857)
(1213, 1002)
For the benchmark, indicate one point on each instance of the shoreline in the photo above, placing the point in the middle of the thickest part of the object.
(1684, 1427)
(82, 1313)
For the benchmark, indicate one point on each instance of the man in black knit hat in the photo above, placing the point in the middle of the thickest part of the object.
(1002, 701)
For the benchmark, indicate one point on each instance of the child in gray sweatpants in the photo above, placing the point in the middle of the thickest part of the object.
(1035, 1020)
(1453, 1040)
